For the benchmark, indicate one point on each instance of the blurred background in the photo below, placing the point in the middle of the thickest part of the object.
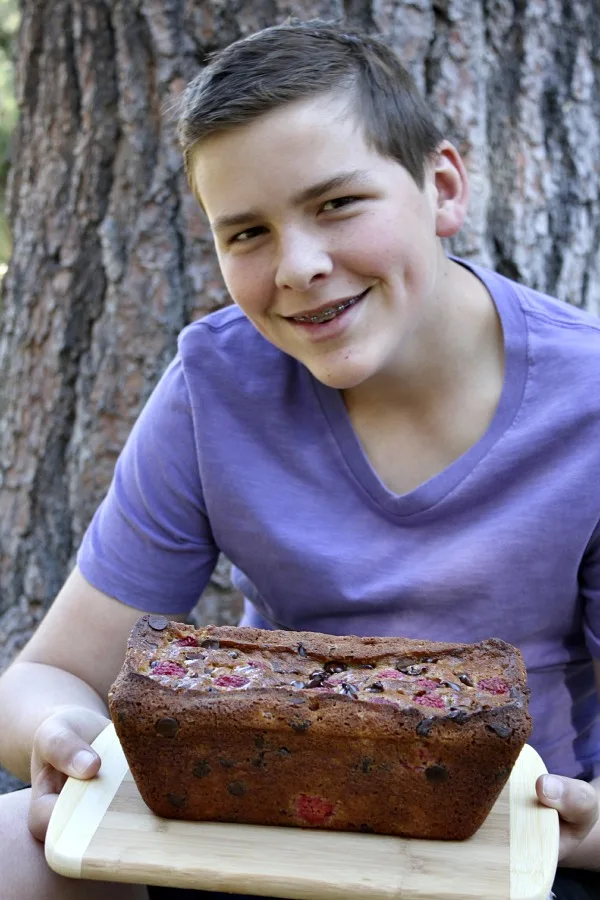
(9, 20)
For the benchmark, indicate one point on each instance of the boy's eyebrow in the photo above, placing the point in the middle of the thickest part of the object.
(343, 180)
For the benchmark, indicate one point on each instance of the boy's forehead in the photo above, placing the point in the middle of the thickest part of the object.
(301, 148)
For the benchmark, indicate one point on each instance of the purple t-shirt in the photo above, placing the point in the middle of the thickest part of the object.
(241, 450)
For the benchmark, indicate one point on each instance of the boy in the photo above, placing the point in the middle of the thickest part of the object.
(382, 439)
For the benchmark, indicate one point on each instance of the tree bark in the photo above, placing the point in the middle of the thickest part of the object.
(112, 257)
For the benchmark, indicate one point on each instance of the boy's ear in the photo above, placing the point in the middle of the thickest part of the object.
(452, 186)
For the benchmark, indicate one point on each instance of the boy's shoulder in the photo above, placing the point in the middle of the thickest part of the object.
(545, 315)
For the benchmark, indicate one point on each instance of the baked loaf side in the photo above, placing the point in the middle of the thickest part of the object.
(384, 735)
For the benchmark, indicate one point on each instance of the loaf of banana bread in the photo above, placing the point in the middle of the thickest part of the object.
(384, 735)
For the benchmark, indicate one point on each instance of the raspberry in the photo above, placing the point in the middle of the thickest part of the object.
(168, 668)
(427, 683)
(392, 673)
(493, 685)
(314, 810)
(188, 641)
(258, 664)
(231, 681)
(431, 700)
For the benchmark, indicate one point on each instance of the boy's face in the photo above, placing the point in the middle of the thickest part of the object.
(310, 221)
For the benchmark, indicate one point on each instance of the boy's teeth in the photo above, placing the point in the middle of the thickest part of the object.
(327, 314)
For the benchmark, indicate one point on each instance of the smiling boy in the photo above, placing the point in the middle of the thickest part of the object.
(384, 440)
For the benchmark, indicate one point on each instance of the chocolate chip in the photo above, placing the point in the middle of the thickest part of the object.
(176, 800)
(167, 726)
(453, 685)
(366, 829)
(366, 765)
(236, 788)
(201, 769)
(301, 650)
(210, 644)
(436, 774)
(332, 667)
(413, 670)
(194, 654)
(423, 729)
(316, 679)
(283, 751)
(297, 684)
(259, 761)
(226, 763)
(465, 680)
(233, 654)
(502, 774)
(458, 715)
(259, 741)
(350, 689)
(367, 666)
(300, 725)
(376, 687)
(158, 623)
(501, 730)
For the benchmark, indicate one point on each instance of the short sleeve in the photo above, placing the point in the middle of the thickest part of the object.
(150, 543)
(589, 583)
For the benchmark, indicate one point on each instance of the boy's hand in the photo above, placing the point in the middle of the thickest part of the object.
(577, 805)
(61, 748)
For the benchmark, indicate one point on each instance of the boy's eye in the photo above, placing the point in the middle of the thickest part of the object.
(338, 203)
(243, 236)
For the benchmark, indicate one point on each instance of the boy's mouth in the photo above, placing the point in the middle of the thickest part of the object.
(330, 312)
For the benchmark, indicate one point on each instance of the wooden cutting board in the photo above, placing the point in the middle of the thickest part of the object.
(101, 829)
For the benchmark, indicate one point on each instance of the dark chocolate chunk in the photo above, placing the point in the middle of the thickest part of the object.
(366, 829)
(210, 644)
(158, 623)
(259, 741)
(201, 769)
(297, 684)
(301, 650)
(259, 761)
(236, 788)
(350, 689)
(423, 729)
(176, 800)
(367, 666)
(376, 687)
(436, 774)
(332, 667)
(465, 679)
(413, 670)
(300, 725)
(366, 764)
(502, 773)
(233, 654)
(501, 730)
(167, 726)
(283, 751)
(453, 685)
(226, 763)
(458, 715)
(316, 679)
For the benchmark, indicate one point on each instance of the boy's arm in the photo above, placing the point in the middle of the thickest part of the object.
(71, 661)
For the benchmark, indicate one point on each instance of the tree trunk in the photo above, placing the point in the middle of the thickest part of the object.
(112, 257)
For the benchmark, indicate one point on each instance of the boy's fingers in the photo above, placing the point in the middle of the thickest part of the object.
(62, 748)
(44, 793)
(575, 801)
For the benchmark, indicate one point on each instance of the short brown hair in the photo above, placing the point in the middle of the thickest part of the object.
(297, 60)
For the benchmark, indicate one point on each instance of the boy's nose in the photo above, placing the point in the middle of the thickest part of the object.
(302, 259)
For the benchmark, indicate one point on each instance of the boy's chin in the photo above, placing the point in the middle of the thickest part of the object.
(342, 378)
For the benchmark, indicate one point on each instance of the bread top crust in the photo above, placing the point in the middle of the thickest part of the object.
(433, 679)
